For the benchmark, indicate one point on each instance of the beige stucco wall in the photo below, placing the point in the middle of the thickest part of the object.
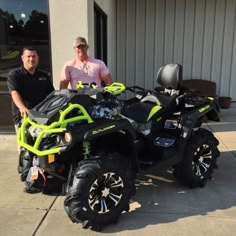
(68, 18)
(71, 18)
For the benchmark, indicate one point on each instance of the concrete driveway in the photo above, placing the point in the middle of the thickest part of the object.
(161, 206)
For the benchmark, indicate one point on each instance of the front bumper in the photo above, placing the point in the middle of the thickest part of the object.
(45, 131)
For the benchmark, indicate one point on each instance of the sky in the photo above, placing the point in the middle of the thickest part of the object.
(22, 8)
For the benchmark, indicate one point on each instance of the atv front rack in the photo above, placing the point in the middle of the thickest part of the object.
(57, 127)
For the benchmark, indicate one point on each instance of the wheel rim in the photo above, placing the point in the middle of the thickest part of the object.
(105, 192)
(202, 160)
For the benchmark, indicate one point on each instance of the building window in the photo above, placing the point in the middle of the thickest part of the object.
(100, 34)
(22, 23)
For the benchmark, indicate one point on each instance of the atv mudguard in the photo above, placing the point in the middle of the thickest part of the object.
(213, 113)
(192, 118)
(90, 131)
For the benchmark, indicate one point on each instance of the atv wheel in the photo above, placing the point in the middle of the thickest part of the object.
(199, 159)
(101, 190)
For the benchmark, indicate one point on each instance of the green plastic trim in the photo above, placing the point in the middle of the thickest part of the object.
(56, 127)
(115, 88)
(154, 110)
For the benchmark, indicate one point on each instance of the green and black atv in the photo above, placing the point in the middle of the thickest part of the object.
(91, 143)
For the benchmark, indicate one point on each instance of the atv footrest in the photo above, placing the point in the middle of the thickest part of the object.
(164, 142)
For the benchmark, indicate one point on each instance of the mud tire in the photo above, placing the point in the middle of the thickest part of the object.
(100, 191)
(199, 159)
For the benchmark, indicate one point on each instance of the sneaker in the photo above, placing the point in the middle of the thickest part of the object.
(32, 190)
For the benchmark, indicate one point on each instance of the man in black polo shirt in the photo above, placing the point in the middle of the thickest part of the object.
(27, 85)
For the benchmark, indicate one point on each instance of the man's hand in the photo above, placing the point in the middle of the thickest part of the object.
(16, 97)
(23, 110)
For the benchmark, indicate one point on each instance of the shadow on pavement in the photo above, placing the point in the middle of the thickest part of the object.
(160, 199)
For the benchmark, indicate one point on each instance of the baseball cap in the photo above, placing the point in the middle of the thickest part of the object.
(80, 41)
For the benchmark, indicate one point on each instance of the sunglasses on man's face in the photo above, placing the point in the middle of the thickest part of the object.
(81, 46)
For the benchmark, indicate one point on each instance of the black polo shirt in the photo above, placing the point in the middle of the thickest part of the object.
(32, 88)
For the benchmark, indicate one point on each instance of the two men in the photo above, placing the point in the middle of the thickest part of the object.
(28, 85)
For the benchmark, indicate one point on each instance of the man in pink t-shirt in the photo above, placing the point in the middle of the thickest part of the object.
(84, 68)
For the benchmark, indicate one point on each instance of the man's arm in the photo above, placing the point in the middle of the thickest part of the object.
(104, 73)
(50, 86)
(64, 84)
(65, 77)
(107, 79)
(19, 103)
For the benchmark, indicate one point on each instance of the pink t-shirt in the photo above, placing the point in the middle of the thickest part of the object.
(91, 71)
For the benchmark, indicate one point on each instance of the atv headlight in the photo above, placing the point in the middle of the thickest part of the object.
(67, 138)
(34, 132)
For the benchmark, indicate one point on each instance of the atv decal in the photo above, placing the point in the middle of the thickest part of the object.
(103, 129)
(204, 108)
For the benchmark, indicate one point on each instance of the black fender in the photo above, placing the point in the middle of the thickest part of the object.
(107, 136)
(89, 132)
(213, 115)
(110, 127)
(193, 118)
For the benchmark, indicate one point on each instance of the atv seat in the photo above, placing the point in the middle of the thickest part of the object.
(169, 77)
(153, 106)
(142, 112)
